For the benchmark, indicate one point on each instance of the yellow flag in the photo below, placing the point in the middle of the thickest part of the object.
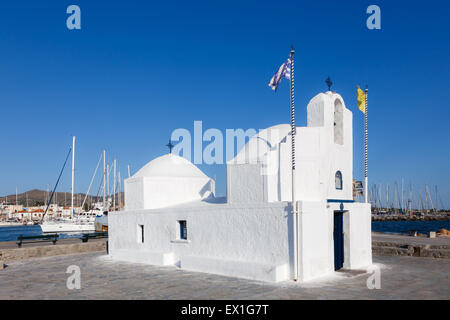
(361, 99)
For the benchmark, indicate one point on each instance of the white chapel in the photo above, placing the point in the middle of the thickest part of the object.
(172, 218)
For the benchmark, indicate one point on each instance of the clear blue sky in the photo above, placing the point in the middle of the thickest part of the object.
(137, 70)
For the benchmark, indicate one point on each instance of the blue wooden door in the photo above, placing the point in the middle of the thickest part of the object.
(338, 235)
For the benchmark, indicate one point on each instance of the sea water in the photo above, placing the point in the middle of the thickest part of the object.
(10, 233)
(406, 226)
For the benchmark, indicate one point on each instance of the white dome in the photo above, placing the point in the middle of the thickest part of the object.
(170, 165)
(261, 143)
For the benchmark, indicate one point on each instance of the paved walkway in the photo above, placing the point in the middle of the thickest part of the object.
(103, 278)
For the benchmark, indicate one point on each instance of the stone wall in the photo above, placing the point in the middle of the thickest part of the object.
(382, 248)
(24, 253)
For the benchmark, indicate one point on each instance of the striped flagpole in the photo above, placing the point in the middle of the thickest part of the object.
(293, 133)
(366, 180)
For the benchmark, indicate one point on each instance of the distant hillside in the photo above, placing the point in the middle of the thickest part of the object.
(40, 197)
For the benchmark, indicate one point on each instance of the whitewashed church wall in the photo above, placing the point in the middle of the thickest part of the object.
(316, 112)
(341, 159)
(308, 164)
(134, 193)
(245, 183)
(151, 193)
(357, 236)
(315, 241)
(238, 235)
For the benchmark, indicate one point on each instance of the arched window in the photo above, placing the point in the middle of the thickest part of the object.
(338, 180)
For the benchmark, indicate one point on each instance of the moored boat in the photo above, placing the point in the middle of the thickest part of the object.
(48, 227)
(101, 222)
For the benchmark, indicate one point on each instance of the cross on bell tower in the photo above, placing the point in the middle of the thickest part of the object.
(170, 146)
(329, 83)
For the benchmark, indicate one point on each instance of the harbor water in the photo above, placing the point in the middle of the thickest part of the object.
(405, 226)
(10, 233)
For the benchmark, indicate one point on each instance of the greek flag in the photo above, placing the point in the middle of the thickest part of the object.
(283, 71)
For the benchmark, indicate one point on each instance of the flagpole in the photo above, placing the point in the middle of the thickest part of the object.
(293, 133)
(366, 180)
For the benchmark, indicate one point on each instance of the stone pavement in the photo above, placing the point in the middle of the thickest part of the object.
(103, 278)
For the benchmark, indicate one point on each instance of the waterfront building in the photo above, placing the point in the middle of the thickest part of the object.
(172, 217)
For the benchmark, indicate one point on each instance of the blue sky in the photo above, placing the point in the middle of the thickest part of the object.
(137, 70)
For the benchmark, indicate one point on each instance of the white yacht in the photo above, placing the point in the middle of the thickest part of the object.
(57, 226)
(82, 222)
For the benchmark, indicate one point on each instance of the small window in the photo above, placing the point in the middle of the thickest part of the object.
(140, 233)
(338, 180)
(183, 229)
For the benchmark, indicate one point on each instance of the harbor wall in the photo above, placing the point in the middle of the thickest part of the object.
(25, 252)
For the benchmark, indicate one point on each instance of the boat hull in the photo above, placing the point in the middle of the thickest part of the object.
(66, 227)
(101, 223)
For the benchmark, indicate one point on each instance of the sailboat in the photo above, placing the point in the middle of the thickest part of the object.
(75, 223)
(101, 220)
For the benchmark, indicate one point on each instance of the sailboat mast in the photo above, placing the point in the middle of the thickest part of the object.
(107, 186)
(386, 202)
(114, 186)
(403, 204)
(396, 197)
(436, 195)
(420, 202)
(410, 199)
(104, 180)
(379, 195)
(120, 192)
(73, 170)
(431, 200)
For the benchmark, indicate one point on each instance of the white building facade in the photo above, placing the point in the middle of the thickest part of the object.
(171, 217)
